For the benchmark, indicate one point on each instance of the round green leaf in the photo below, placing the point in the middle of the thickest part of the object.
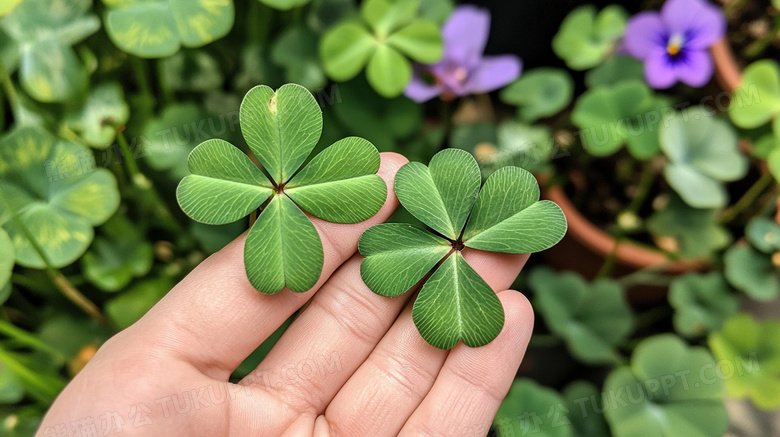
(281, 128)
(615, 69)
(441, 194)
(696, 231)
(764, 234)
(117, 256)
(283, 249)
(669, 390)
(191, 70)
(539, 93)
(384, 16)
(225, 185)
(586, 409)
(585, 38)
(345, 50)
(398, 256)
(340, 184)
(592, 318)
(130, 306)
(751, 350)
(457, 304)
(758, 99)
(530, 409)
(420, 40)
(752, 272)
(624, 113)
(703, 151)
(97, 121)
(436, 11)
(158, 29)
(508, 216)
(57, 193)
(296, 51)
(284, 4)
(701, 303)
(11, 390)
(388, 71)
(50, 71)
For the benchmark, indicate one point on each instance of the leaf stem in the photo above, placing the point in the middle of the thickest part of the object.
(10, 91)
(59, 280)
(45, 390)
(747, 199)
(26, 339)
(139, 71)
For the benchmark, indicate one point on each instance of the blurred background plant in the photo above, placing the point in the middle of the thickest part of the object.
(664, 319)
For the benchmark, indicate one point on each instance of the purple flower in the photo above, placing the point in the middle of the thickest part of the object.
(463, 69)
(673, 44)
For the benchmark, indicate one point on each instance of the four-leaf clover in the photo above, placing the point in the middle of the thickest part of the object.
(455, 303)
(339, 185)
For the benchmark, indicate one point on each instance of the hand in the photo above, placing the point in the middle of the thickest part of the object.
(351, 364)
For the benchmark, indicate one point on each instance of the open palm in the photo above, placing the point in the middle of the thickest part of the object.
(351, 364)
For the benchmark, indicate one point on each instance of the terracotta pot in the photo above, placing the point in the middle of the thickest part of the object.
(727, 72)
(585, 248)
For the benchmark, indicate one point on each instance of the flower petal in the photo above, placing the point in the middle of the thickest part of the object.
(695, 68)
(644, 33)
(493, 73)
(420, 91)
(659, 69)
(465, 35)
(699, 22)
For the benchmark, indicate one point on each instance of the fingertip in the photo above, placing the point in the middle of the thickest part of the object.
(518, 315)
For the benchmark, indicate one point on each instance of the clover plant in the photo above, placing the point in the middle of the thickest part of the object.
(158, 29)
(764, 75)
(506, 215)
(526, 411)
(690, 232)
(539, 93)
(381, 40)
(586, 37)
(97, 120)
(701, 302)
(753, 268)
(340, 185)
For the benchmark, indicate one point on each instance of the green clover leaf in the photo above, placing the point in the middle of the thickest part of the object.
(455, 303)
(296, 51)
(703, 153)
(592, 318)
(757, 101)
(586, 38)
(696, 232)
(96, 122)
(701, 303)
(158, 29)
(7, 261)
(670, 389)
(586, 409)
(624, 113)
(284, 4)
(764, 234)
(527, 408)
(339, 185)
(382, 42)
(753, 349)
(43, 32)
(57, 193)
(614, 70)
(541, 92)
(751, 271)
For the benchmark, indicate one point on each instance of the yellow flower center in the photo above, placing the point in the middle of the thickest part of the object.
(674, 45)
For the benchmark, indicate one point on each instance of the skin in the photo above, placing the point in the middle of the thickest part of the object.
(168, 373)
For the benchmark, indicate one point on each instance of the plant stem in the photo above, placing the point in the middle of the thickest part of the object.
(44, 389)
(143, 183)
(545, 340)
(10, 91)
(59, 280)
(26, 339)
(139, 71)
(747, 199)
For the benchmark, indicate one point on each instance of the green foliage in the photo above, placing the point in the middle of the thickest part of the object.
(382, 42)
(127, 308)
(7, 261)
(53, 188)
(541, 92)
(752, 272)
(8, 7)
(751, 351)
(190, 70)
(296, 52)
(284, 4)
(43, 32)
(624, 113)
(703, 153)
(506, 215)
(701, 303)
(158, 29)
(764, 234)
(666, 392)
(526, 410)
(757, 101)
(592, 318)
(586, 413)
(118, 255)
(615, 69)
(696, 232)
(586, 38)
(105, 110)
(281, 128)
